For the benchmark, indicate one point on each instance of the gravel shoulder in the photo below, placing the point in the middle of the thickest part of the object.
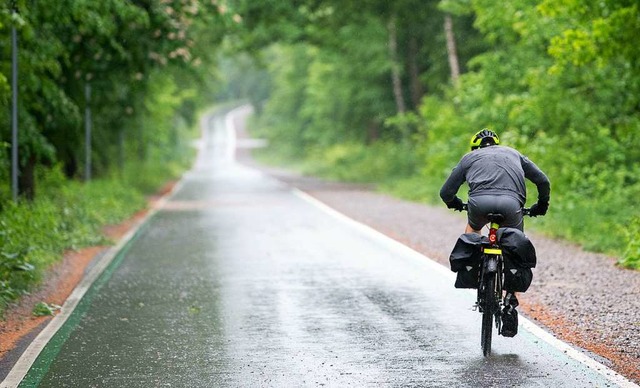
(582, 298)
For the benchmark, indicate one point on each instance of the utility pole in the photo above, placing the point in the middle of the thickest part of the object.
(87, 131)
(14, 106)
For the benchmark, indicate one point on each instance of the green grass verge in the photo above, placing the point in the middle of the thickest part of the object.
(68, 215)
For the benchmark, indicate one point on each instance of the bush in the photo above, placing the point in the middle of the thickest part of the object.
(631, 256)
(376, 163)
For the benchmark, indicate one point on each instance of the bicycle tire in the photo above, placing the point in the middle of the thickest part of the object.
(489, 296)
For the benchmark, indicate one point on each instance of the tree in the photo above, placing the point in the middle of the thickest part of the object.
(414, 57)
(115, 46)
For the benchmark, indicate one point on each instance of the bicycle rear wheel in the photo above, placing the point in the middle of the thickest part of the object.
(488, 295)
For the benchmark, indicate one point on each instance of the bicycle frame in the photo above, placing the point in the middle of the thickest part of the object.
(490, 289)
(490, 299)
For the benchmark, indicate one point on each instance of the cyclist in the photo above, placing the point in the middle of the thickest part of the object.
(496, 177)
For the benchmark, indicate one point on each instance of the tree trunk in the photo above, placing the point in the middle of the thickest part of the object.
(121, 153)
(395, 67)
(373, 132)
(142, 146)
(70, 166)
(27, 181)
(414, 73)
(451, 49)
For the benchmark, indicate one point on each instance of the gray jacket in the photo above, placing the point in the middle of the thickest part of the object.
(496, 170)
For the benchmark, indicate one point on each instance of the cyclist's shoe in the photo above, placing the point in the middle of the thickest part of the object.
(509, 326)
(511, 300)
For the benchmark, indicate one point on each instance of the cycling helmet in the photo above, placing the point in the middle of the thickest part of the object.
(484, 138)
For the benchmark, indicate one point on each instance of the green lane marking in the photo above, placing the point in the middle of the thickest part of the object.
(42, 364)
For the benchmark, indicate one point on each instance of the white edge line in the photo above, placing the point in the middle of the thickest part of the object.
(537, 331)
(28, 357)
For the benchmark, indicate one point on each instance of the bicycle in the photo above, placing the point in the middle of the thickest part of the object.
(490, 299)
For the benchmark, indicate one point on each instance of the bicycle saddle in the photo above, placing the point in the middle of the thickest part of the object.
(497, 218)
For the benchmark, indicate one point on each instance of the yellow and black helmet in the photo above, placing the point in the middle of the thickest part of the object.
(484, 138)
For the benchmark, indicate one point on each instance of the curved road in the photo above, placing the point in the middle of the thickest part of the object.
(241, 281)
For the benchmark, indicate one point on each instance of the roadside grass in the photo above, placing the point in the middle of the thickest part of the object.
(352, 162)
(68, 215)
(631, 257)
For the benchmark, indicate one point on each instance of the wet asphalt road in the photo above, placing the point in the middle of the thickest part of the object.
(238, 282)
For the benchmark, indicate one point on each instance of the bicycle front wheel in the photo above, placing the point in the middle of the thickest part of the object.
(488, 295)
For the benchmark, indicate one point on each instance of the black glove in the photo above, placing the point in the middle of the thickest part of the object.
(539, 209)
(456, 203)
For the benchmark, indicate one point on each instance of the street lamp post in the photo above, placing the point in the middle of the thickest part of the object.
(14, 108)
(87, 127)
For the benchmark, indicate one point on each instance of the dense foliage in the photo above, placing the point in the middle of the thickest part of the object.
(147, 63)
(555, 91)
(373, 95)
(149, 68)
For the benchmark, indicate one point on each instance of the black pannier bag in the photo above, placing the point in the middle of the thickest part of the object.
(468, 277)
(517, 247)
(519, 257)
(465, 259)
(516, 278)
